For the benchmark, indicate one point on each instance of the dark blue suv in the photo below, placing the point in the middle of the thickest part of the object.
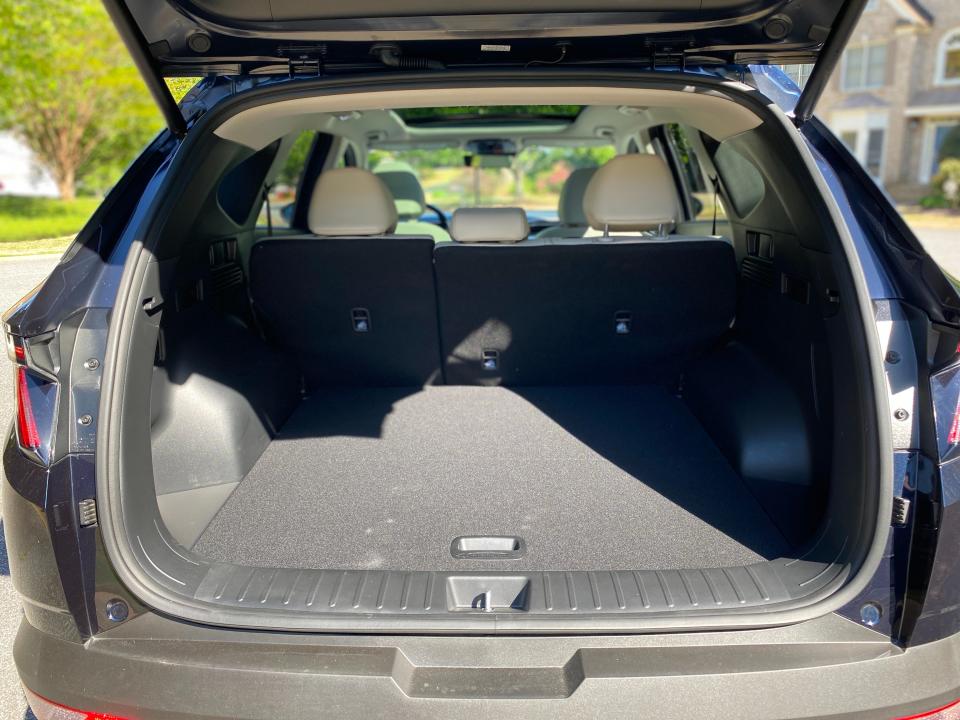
(326, 413)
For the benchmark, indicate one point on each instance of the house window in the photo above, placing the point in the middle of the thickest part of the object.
(864, 67)
(798, 73)
(865, 136)
(873, 161)
(945, 143)
(948, 61)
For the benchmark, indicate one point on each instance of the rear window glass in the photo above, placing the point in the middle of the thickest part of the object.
(696, 181)
(532, 179)
(241, 187)
(488, 113)
(743, 181)
(282, 193)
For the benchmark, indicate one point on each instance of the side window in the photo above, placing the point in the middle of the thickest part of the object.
(348, 158)
(704, 202)
(742, 180)
(241, 188)
(282, 192)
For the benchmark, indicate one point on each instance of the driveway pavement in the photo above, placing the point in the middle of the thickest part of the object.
(19, 275)
(944, 246)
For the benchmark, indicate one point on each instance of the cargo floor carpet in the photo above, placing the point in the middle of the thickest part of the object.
(597, 478)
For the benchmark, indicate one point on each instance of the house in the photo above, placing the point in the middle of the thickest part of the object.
(20, 174)
(895, 97)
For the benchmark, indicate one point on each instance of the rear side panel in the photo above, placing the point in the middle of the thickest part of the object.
(53, 554)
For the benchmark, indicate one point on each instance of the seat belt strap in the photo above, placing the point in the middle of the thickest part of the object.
(715, 181)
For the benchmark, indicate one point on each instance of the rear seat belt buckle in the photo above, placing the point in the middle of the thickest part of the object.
(490, 360)
(622, 322)
(361, 320)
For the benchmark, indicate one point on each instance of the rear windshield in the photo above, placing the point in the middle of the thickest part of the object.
(533, 178)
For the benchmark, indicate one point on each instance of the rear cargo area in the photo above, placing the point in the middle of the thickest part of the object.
(353, 429)
(587, 477)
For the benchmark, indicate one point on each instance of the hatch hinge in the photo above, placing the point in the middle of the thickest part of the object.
(305, 66)
(304, 59)
(669, 52)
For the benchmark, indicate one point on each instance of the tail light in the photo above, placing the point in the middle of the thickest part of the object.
(947, 712)
(27, 431)
(46, 710)
(35, 394)
(945, 393)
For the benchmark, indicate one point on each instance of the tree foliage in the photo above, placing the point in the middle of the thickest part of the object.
(69, 90)
(296, 160)
(947, 181)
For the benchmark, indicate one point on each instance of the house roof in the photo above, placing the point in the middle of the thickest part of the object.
(860, 101)
(937, 102)
(913, 11)
(936, 96)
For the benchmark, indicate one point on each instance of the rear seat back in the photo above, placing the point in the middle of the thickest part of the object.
(356, 305)
(630, 310)
(572, 314)
(573, 222)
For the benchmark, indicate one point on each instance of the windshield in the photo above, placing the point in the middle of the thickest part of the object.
(532, 179)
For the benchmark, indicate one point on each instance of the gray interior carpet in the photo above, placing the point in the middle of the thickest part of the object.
(597, 478)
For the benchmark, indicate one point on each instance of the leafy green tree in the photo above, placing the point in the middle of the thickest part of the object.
(293, 166)
(947, 182)
(69, 90)
(180, 86)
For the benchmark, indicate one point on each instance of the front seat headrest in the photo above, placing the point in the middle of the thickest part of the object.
(570, 209)
(632, 193)
(351, 201)
(405, 187)
(489, 225)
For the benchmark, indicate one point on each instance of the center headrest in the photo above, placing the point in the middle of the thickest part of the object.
(405, 187)
(570, 209)
(631, 193)
(489, 225)
(351, 201)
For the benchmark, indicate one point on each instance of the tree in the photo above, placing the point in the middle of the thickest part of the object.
(947, 181)
(69, 90)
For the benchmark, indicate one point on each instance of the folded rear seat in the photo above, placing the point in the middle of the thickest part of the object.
(626, 309)
(356, 305)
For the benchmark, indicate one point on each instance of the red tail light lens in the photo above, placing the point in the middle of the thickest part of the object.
(947, 712)
(46, 710)
(945, 393)
(36, 400)
(27, 430)
(953, 437)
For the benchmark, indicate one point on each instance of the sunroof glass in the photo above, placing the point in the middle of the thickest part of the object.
(415, 116)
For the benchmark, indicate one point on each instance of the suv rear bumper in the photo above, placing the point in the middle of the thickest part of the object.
(152, 668)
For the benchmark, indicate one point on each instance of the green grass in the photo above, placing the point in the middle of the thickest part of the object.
(36, 225)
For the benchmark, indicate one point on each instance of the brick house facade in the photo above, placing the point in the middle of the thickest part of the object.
(895, 98)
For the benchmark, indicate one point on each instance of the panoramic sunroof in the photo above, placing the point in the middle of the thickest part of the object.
(489, 113)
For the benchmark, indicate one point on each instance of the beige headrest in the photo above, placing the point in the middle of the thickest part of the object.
(489, 225)
(571, 196)
(631, 193)
(406, 189)
(351, 201)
